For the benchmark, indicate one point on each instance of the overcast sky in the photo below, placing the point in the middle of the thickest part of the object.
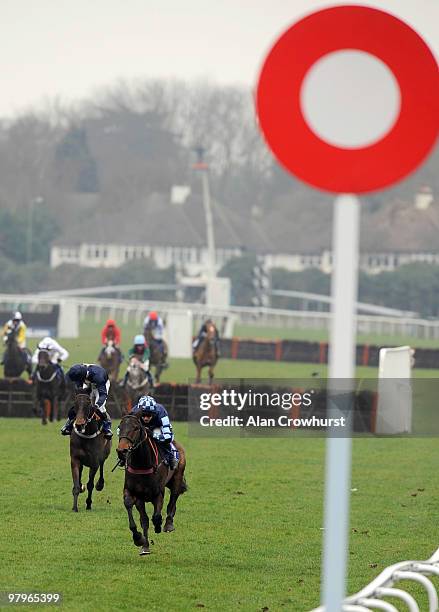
(69, 48)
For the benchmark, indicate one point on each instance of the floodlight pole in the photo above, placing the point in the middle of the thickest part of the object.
(203, 166)
(30, 223)
(344, 289)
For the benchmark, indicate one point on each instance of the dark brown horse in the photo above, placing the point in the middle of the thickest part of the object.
(146, 476)
(206, 352)
(158, 352)
(15, 359)
(109, 359)
(88, 447)
(48, 387)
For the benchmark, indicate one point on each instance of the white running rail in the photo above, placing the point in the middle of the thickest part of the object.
(371, 597)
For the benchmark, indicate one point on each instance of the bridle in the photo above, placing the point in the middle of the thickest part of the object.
(136, 444)
(142, 430)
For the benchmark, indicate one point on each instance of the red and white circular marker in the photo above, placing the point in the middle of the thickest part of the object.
(294, 142)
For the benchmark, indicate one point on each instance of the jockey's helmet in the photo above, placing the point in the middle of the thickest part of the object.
(147, 405)
(139, 340)
(77, 373)
(110, 322)
(17, 316)
(153, 316)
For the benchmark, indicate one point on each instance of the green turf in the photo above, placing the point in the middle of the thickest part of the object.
(249, 531)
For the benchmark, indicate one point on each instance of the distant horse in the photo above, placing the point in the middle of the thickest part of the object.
(137, 382)
(49, 387)
(109, 359)
(206, 352)
(15, 360)
(88, 447)
(158, 352)
(146, 477)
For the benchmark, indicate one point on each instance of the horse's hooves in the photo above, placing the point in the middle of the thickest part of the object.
(88, 507)
(144, 551)
(99, 486)
(169, 528)
(158, 528)
(75, 510)
(82, 489)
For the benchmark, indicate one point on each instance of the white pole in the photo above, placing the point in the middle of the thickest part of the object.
(209, 224)
(344, 289)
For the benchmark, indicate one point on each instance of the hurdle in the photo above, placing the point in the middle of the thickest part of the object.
(371, 596)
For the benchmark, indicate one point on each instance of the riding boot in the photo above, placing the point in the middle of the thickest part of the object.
(68, 427)
(169, 457)
(150, 379)
(106, 425)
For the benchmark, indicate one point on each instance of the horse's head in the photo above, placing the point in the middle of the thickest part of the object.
(210, 331)
(130, 431)
(84, 408)
(109, 349)
(43, 359)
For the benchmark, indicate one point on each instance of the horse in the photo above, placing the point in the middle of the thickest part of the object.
(137, 383)
(158, 352)
(206, 353)
(15, 360)
(88, 447)
(146, 477)
(49, 387)
(109, 359)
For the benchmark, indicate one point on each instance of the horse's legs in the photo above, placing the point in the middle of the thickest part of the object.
(144, 521)
(54, 412)
(90, 486)
(100, 483)
(76, 471)
(211, 374)
(157, 516)
(170, 511)
(138, 538)
(198, 378)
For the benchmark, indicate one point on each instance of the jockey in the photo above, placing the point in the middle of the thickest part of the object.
(111, 331)
(95, 378)
(154, 323)
(57, 354)
(203, 333)
(141, 351)
(156, 418)
(17, 324)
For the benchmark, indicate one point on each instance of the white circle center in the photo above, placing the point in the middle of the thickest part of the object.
(350, 99)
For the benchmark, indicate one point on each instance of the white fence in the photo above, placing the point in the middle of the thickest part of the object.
(135, 311)
(372, 596)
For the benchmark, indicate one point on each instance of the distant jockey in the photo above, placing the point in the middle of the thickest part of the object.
(17, 324)
(57, 354)
(154, 324)
(156, 418)
(95, 380)
(111, 332)
(139, 350)
(203, 333)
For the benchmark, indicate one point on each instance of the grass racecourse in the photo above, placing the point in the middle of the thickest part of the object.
(248, 532)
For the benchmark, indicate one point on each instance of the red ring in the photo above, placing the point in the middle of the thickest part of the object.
(317, 162)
